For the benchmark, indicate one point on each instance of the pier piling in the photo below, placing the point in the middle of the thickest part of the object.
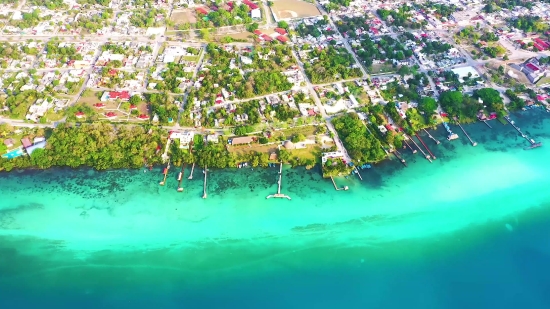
(485, 121)
(399, 157)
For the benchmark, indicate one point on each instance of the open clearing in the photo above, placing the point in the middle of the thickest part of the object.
(287, 9)
(183, 16)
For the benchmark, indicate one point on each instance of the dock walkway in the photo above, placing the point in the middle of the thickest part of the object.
(468, 136)
(279, 194)
(336, 187)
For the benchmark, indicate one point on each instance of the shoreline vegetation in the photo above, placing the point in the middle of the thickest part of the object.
(369, 134)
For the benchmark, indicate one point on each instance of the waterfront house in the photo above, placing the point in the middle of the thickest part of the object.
(39, 145)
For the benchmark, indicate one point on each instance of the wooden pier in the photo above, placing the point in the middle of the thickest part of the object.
(357, 172)
(336, 187)
(433, 138)
(180, 177)
(422, 151)
(399, 157)
(425, 146)
(405, 140)
(204, 195)
(192, 169)
(485, 122)
(468, 136)
(279, 194)
(165, 172)
(530, 140)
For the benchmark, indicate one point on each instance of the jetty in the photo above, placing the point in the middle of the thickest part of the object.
(422, 151)
(451, 135)
(357, 172)
(279, 194)
(399, 157)
(468, 136)
(530, 140)
(430, 136)
(345, 188)
(180, 177)
(192, 169)
(412, 149)
(485, 122)
(425, 146)
(204, 195)
(165, 172)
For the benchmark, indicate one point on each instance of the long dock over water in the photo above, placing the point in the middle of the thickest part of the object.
(412, 149)
(468, 136)
(425, 146)
(399, 157)
(422, 151)
(192, 169)
(204, 195)
(279, 194)
(433, 138)
(530, 140)
(165, 172)
(180, 177)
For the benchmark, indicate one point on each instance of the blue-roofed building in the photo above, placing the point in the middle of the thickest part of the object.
(32, 148)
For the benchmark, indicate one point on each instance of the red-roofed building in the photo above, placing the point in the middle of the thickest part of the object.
(538, 47)
(542, 43)
(254, 9)
(122, 95)
(99, 105)
(532, 67)
(110, 115)
(280, 31)
(266, 38)
(80, 115)
(282, 39)
(257, 32)
(202, 11)
(143, 117)
(132, 107)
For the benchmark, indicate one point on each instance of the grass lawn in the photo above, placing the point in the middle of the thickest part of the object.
(243, 149)
(191, 58)
(383, 68)
(288, 133)
(311, 152)
(53, 116)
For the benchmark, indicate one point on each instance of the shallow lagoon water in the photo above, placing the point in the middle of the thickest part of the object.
(470, 229)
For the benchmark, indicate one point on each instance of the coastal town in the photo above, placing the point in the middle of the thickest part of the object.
(213, 84)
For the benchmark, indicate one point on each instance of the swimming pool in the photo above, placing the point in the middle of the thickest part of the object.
(13, 154)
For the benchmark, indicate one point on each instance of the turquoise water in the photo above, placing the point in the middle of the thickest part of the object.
(470, 229)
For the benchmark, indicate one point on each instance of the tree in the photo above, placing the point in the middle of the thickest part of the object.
(282, 24)
(298, 138)
(404, 70)
(451, 101)
(204, 34)
(135, 99)
(427, 105)
(505, 58)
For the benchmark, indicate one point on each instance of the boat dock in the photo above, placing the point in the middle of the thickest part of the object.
(422, 151)
(180, 177)
(357, 172)
(433, 138)
(530, 140)
(336, 187)
(279, 194)
(165, 172)
(468, 136)
(485, 121)
(399, 157)
(192, 169)
(451, 135)
(405, 140)
(204, 195)
(425, 146)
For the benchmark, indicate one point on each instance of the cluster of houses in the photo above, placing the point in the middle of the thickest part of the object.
(535, 70)
(39, 108)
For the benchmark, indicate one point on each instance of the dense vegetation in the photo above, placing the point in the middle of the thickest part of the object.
(401, 17)
(360, 144)
(163, 106)
(150, 18)
(100, 146)
(530, 23)
(333, 63)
